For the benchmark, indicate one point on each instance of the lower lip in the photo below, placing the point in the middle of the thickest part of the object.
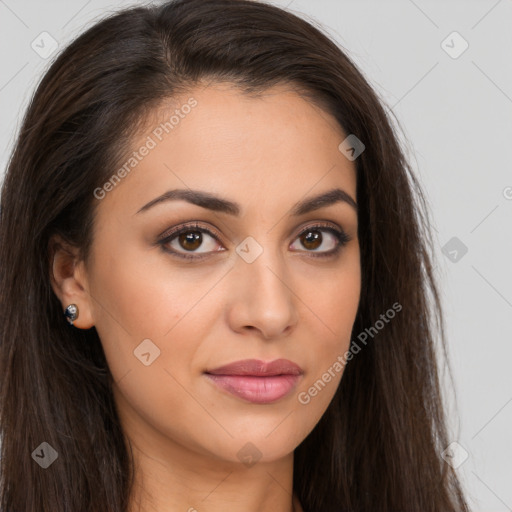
(258, 390)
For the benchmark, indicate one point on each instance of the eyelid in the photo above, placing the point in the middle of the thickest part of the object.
(188, 226)
(321, 224)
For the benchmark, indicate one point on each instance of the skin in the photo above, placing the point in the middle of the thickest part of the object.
(266, 154)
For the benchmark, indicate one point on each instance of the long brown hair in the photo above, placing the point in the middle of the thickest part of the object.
(378, 446)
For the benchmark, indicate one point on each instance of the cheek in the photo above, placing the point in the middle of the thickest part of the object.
(139, 296)
(148, 327)
(140, 293)
(333, 308)
(333, 302)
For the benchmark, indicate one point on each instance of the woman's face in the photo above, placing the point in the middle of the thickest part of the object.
(263, 282)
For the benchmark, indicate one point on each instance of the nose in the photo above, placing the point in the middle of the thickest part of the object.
(262, 297)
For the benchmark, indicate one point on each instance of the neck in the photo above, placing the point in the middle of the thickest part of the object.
(171, 481)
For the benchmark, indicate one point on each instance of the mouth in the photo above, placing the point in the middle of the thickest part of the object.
(257, 381)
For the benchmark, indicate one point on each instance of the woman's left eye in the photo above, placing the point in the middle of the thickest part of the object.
(191, 238)
(313, 240)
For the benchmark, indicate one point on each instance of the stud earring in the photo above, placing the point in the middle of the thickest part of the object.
(71, 313)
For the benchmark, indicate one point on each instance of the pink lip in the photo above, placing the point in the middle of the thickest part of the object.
(257, 381)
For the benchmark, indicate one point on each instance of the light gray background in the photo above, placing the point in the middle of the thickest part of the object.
(457, 116)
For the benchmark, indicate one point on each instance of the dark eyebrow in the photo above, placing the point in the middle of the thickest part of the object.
(336, 195)
(218, 204)
(197, 197)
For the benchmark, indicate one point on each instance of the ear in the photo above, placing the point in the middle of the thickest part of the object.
(69, 280)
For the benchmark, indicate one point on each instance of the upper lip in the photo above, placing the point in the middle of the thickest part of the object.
(258, 368)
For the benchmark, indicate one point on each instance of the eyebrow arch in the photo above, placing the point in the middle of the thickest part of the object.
(218, 204)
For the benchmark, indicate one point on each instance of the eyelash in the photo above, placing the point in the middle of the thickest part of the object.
(340, 235)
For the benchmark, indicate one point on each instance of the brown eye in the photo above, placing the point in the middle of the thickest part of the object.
(190, 240)
(311, 239)
(321, 241)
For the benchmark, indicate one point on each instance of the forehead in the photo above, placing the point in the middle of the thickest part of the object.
(218, 138)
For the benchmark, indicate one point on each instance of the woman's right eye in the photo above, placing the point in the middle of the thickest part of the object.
(189, 239)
